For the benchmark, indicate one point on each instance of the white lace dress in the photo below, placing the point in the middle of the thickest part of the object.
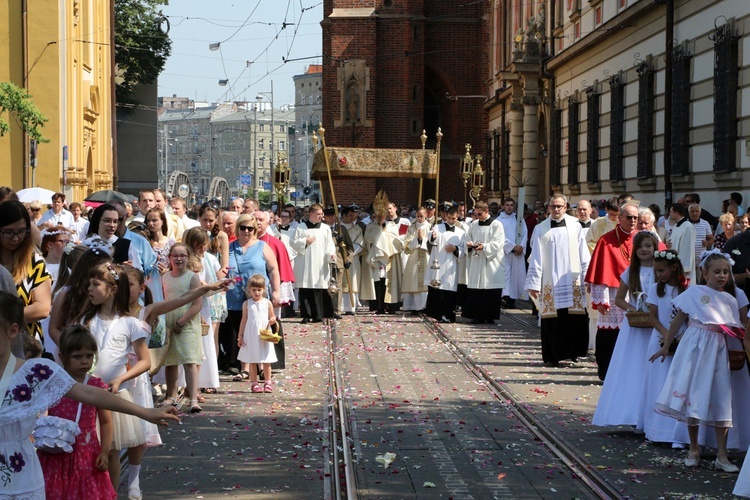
(36, 386)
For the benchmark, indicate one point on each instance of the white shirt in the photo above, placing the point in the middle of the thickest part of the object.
(64, 218)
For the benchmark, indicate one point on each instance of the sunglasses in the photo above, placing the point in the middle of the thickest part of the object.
(247, 228)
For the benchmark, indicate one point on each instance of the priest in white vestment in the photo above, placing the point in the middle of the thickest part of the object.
(350, 297)
(485, 240)
(414, 292)
(316, 251)
(447, 249)
(516, 236)
(557, 267)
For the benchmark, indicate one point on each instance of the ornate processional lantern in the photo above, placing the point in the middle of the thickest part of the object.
(477, 180)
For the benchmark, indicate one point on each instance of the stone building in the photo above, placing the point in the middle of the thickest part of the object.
(394, 68)
(580, 102)
(61, 53)
(308, 111)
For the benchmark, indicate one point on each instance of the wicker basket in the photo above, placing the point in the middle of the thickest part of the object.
(736, 359)
(639, 319)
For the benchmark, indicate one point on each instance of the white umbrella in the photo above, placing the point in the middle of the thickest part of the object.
(41, 195)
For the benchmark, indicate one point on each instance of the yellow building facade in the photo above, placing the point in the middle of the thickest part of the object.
(60, 51)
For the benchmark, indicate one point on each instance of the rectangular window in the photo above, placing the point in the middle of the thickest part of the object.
(573, 128)
(622, 4)
(616, 128)
(726, 72)
(261, 144)
(577, 30)
(680, 111)
(262, 127)
(598, 15)
(282, 145)
(592, 135)
(645, 157)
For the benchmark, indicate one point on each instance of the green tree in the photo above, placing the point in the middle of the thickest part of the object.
(17, 102)
(142, 44)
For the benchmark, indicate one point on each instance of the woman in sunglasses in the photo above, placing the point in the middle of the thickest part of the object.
(247, 256)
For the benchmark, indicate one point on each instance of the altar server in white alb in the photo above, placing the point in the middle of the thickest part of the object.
(315, 247)
(350, 298)
(486, 266)
(414, 292)
(557, 267)
(447, 249)
(516, 236)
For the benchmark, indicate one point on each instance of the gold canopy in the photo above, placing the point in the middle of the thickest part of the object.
(374, 162)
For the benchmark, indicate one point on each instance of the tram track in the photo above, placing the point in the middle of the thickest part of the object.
(571, 458)
(341, 479)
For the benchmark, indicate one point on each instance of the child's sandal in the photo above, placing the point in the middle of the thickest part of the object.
(256, 388)
(267, 387)
(194, 408)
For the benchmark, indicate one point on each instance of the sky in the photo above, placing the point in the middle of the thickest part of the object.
(255, 38)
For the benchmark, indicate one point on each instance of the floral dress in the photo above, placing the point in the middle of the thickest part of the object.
(162, 254)
(73, 475)
(36, 386)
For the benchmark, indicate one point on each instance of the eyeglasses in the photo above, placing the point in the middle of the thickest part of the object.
(631, 217)
(247, 228)
(179, 256)
(557, 206)
(9, 234)
(113, 221)
(35, 209)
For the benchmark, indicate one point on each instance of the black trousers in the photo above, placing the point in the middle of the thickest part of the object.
(228, 332)
(315, 303)
(280, 364)
(441, 303)
(606, 338)
(379, 304)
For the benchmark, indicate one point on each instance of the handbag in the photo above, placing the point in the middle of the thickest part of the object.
(205, 327)
(159, 355)
(736, 358)
(56, 434)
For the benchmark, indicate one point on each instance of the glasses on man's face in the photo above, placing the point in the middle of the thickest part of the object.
(247, 228)
(113, 221)
(35, 209)
(557, 207)
(9, 234)
(631, 217)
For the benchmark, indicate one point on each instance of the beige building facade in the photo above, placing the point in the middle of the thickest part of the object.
(579, 98)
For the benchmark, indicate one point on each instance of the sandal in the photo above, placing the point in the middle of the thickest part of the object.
(175, 403)
(267, 387)
(209, 390)
(256, 388)
(194, 408)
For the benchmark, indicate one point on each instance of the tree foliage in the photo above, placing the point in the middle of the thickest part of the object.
(141, 44)
(17, 102)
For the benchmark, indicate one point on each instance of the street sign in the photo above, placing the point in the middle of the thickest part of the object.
(267, 186)
(245, 179)
(294, 195)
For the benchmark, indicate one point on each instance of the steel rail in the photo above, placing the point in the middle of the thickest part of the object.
(570, 457)
(340, 430)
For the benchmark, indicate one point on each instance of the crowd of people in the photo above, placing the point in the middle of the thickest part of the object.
(149, 298)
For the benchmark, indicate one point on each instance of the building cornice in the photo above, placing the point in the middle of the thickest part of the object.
(610, 28)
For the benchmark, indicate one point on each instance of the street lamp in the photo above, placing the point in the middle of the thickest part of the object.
(466, 168)
(259, 98)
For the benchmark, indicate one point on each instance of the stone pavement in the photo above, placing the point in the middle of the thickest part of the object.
(410, 397)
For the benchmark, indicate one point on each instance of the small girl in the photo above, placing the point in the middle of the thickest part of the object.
(620, 399)
(106, 314)
(82, 473)
(670, 283)
(30, 388)
(208, 376)
(184, 326)
(698, 385)
(418, 255)
(257, 314)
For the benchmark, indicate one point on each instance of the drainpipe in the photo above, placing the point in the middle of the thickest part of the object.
(669, 34)
(28, 174)
(113, 103)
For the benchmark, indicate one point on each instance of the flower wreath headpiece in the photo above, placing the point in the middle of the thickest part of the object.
(664, 254)
(707, 253)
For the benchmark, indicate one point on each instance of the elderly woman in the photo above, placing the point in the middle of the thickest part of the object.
(247, 256)
(18, 255)
(647, 222)
(726, 222)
